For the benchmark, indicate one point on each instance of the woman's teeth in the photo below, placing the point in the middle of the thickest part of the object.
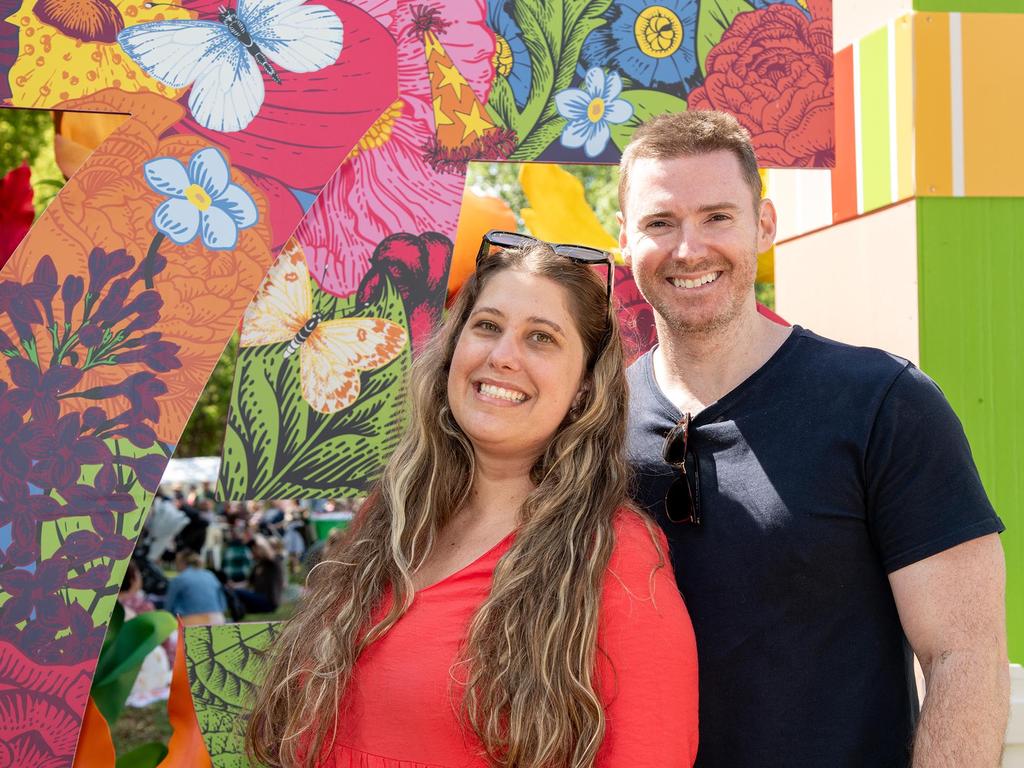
(500, 392)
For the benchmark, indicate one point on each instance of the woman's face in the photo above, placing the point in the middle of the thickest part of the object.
(518, 366)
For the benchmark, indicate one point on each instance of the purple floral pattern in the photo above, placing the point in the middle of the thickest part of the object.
(73, 475)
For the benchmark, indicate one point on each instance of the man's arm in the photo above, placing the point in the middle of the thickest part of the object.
(952, 606)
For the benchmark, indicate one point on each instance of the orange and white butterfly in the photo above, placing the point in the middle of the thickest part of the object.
(331, 352)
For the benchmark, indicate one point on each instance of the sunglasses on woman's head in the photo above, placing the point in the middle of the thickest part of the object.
(682, 501)
(581, 254)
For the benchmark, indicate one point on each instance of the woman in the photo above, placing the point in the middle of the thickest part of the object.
(497, 602)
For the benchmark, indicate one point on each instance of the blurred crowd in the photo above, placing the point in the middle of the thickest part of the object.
(210, 562)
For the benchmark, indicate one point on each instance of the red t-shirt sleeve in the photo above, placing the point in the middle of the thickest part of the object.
(647, 656)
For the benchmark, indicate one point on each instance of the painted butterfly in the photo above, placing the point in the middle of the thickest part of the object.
(331, 352)
(225, 60)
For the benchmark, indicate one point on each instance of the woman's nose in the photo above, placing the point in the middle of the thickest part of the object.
(505, 353)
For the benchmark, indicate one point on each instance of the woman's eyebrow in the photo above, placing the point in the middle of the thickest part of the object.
(545, 321)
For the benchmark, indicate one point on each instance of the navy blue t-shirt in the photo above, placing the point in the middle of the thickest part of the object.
(826, 470)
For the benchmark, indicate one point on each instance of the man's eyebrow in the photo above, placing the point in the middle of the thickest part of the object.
(708, 207)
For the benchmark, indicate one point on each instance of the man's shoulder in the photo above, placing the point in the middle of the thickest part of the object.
(840, 363)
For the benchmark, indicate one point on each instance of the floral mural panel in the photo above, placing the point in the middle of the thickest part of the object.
(118, 302)
(322, 140)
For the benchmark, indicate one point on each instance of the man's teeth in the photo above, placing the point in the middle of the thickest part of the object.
(708, 278)
(505, 394)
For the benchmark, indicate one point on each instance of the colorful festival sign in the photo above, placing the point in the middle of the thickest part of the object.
(117, 304)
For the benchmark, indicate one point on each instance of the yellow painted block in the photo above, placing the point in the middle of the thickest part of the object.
(993, 104)
(932, 105)
(904, 106)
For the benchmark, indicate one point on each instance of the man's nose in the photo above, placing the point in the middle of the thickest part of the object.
(691, 245)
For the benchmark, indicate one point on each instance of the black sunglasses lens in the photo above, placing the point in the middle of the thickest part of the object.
(679, 503)
(674, 451)
(509, 239)
(582, 253)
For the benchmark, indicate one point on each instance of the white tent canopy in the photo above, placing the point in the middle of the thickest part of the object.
(201, 469)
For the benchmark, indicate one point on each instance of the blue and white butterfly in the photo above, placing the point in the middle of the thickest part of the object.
(225, 60)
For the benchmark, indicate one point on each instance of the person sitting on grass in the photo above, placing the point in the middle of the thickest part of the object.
(194, 594)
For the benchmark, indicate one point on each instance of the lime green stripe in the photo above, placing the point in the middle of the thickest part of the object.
(970, 6)
(971, 269)
(874, 119)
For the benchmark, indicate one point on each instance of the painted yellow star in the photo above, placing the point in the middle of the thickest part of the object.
(451, 76)
(473, 123)
(440, 117)
(431, 45)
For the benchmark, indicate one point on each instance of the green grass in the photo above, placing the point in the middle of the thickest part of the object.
(136, 727)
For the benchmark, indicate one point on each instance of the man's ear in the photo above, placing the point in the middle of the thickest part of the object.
(623, 248)
(766, 226)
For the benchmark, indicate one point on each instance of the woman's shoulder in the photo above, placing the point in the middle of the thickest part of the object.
(639, 557)
(638, 539)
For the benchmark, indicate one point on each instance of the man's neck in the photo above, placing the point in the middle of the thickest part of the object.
(697, 369)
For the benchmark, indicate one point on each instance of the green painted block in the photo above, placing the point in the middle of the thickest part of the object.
(971, 293)
(970, 6)
(873, 71)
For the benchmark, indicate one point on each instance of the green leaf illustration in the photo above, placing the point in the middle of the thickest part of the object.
(646, 104)
(553, 33)
(277, 446)
(715, 17)
(225, 665)
(100, 602)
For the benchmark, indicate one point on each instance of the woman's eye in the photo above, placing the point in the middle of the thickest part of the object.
(487, 325)
(544, 338)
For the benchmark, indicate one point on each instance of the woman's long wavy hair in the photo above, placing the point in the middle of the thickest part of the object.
(528, 663)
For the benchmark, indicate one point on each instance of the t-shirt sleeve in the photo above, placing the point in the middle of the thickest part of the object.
(924, 494)
(647, 657)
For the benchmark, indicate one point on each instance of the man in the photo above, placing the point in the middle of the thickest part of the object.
(839, 521)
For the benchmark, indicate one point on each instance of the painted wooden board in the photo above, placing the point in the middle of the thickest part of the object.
(803, 199)
(853, 19)
(971, 254)
(855, 281)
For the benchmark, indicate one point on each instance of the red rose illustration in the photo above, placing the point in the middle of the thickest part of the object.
(40, 709)
(773, 70)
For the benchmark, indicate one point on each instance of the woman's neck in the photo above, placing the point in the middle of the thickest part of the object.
(497, 494)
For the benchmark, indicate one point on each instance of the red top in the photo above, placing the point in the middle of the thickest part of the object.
(401, 709)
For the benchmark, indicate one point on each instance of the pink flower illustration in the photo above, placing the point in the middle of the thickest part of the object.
(388, 187)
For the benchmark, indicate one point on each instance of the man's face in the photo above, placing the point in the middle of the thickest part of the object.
(691, 235)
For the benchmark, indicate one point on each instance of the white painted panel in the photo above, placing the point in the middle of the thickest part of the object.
(803, 199)
(853, 19)
(856, 281)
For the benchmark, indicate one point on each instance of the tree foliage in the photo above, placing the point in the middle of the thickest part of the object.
(204, 433)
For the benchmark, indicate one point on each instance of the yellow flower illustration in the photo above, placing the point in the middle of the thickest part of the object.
(74, 52)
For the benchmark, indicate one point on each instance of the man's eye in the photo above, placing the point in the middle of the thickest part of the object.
(719, 217)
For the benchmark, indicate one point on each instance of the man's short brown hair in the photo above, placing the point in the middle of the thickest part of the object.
(685, 134)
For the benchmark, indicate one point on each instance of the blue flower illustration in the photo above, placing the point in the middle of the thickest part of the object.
(798, 4)
(590, 109)
(511, 56)
(202, 200)
(654, 44)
